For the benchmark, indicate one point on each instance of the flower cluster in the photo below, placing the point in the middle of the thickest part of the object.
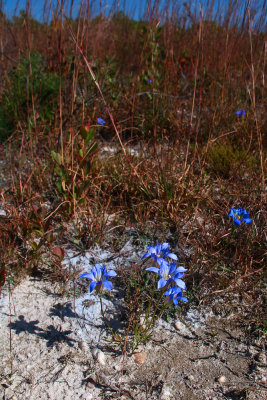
(240, 113)
(170, 274)
(239, 215)
(100, 121)
(99, 278)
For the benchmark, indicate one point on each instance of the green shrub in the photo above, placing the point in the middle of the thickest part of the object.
(43, 91)
(224, 159)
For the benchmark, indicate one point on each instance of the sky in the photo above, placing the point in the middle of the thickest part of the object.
(134, 8)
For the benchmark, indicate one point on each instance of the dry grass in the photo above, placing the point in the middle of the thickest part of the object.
(168, 88)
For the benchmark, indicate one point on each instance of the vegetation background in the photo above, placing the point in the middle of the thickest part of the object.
(172, 157)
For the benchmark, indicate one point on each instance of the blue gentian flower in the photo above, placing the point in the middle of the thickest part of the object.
(169, 273)
(159, 252)
(99, 276)
(239, 215)
(100, 121)
(241, 112)
(175, 294)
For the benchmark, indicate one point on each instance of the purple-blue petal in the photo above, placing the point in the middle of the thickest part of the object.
(237, 221)
(168, 292)
(165, 246)
(163, 263)
(184, 299)
(111, 273)
(240, 112)
(108, 285)
(92, 286)
(179, 283)
(172, 256)
(85, 275)
(153, 269)
(232, 212)
(145, 255)
(161, 283)
(181, 269)
(100, 121)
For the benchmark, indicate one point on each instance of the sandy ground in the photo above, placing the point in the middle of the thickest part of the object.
(51, 348)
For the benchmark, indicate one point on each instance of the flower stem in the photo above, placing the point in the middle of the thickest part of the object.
(103, 315)
(154, 318)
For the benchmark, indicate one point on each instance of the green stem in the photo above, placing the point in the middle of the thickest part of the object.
(103, 315)
(150, 303)
(154, 318)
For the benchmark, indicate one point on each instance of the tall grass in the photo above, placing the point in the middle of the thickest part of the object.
(168, 86)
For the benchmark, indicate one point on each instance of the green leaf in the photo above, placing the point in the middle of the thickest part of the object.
(87, 167)
(41, 233)
(75, 241)
(58, 185)
(34, 246)
(82, 200)
(83, 132)
(85, 185)
(75, 192)
(59, 171)
(56, 157)
(92, 149)
(90, 135)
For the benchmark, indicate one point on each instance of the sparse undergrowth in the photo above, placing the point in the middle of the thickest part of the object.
(175, 161)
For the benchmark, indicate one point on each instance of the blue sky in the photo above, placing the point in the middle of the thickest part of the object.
(133, 7)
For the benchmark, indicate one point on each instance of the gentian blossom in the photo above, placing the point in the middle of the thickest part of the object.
(169, 273)
(159, 252)
(239, 215)
(240, 112)
(174, 295)
(100, 121)
(99, 277)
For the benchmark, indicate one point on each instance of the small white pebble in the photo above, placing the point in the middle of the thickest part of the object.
(140, 357)
(87, 396)
(99, 356)
(166, 394)
(177, 325)
(119, 364)
(90, 385)
(222, 379)
(261, 357)
(191, 378)
(118, 367)
(82, 345)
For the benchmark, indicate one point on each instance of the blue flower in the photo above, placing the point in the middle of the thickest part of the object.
(175, 294)
(100, 121)
(169, 273)
(240, 112)
(99, 276)
(159, 252)
(239, 215)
